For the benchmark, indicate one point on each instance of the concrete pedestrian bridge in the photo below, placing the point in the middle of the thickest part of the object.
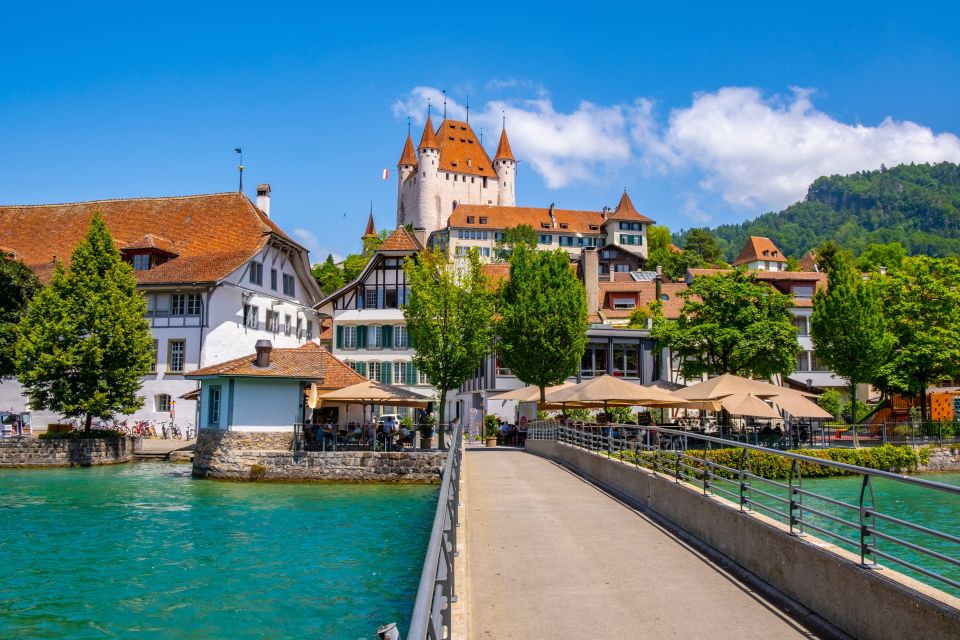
(562, 542)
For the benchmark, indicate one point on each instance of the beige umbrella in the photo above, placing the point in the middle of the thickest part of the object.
(747, 404)
(729, 384)
(800, 407)
(313, 400)
(370, 392)
(528, 394)
(609, 390)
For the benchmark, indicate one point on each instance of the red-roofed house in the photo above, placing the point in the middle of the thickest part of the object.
(217, 273)
(760, 254)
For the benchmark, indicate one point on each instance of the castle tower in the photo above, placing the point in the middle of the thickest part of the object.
(429, 152)
(506, 167)
(406, 169)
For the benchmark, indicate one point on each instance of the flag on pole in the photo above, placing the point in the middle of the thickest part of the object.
(386, 174)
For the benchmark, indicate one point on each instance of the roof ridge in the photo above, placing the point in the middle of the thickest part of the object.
(134, 199)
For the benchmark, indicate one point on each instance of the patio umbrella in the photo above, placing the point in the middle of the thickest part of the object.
(729, 384)
(373, 393)
(747, 404)
(528, 394)
(609, 390)
(799, 407)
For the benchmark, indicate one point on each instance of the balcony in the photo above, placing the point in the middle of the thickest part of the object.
(163, 319)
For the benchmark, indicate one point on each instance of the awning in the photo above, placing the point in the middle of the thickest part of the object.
(801, 407)
(370, 392)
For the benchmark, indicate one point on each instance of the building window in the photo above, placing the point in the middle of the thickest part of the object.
(376, 337)
(399, 372)
(177, 305)
(545, 238)
(594, 361)
(626, 359)
(502, 369)
(349, 337)
(400, 339)
(213, 411)
(803, 361)
(175, 355)
(273, 321)
(391, 299)
(251, 315)
(161, 403)
(816, 364)
(286, 324)
(483, 220)
(256, 273)
(800, 322)
(185, 304)
(471, 219)
(141, 262)
(804, 291)
(621, 268)
(624, 303)
(373, 370)
(421, 376)
(299, 328)
(289, 285)
(193, 304)
(370, 298)
(153, 354)
(309, 329)
(273, 279)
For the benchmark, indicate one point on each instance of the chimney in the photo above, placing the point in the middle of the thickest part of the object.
(263, 347)
(659, 282)
(263, 198)
(591, 279)
(606, 210)
(553, 218)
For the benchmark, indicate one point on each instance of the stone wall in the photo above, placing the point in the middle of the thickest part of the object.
(43, 452)
(238, 455)
(943, 459)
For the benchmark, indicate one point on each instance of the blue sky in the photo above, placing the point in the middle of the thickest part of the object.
(706, 114)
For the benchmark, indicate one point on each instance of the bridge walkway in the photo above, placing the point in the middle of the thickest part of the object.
(549, 555)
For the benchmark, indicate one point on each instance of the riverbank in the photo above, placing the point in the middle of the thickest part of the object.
(25, 452)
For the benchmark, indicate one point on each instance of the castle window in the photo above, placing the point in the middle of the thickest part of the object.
(485, 185)
(448, 176)
(472, 180)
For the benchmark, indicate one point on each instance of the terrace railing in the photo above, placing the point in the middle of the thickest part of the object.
(740, 472)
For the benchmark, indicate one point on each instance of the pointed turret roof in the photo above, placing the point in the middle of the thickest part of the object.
(400, 240)
(626, 211)
(429, 138)
(503, 149)
(371, 228)
(409, 156)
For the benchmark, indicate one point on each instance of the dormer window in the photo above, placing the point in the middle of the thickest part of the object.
(483, 220)
(148, 252)
(564, 225)
(594, 227)
(471, 219)
(545, 225)
(141, 261)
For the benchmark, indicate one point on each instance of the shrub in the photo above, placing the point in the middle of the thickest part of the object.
(257, 471)
(491, 426)
(98, 434)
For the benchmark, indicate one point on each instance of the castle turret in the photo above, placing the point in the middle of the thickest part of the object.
(405, 168)
(506, 167)
(429, 157)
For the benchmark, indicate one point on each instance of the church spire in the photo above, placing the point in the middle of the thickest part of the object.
(371, 228)
(429, 138)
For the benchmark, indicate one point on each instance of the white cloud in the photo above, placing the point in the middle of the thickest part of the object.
(750, 149)
(766, 151)
(310, 241)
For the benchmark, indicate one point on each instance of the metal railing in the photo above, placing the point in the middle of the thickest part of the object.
(431, 618)
(735, 471)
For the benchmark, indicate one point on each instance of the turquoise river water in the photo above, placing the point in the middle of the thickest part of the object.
(145, 551)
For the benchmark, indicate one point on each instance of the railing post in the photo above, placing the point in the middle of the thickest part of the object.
(868, 541)
(744, 480)
(796, 500)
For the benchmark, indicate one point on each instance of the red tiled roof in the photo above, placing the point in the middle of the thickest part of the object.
(809, 261)
(429, 139)
(409, 156)
(307, 362)
(496, 273)
(759, 248)
(400, 240)
(151, 241)
(645, 292)
(503, 148)
(326, 330)
(626, 211)
(505, 217)
(461, 152)
(213, 235)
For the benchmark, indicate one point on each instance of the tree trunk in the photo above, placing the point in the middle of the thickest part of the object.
(443, 414)
(89, 422)
(543, 401)
(853, 412)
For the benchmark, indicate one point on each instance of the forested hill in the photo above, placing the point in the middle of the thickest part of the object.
(915, 205)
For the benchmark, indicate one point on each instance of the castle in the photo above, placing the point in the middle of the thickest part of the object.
(451, 167)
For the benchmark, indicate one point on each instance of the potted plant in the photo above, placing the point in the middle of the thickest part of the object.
(491, 427)
(426, 431)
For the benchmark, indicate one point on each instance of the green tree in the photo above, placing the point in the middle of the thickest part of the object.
(663, 254)
(889, 256)
(512, 236)
(449, 318)
(829, 401)
(353, 266)
(731, 324)
(702, 242)
(848, 330)
(921, 302)
(831, 258)
(84, 343)
(543, 318)
(17, 286)
(659, 237)
(328, 275)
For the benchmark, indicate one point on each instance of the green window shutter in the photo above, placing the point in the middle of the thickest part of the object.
(362, 368)
(362, 337)
(386, 372)
(411, 373)
(339, 337)
(387, 336)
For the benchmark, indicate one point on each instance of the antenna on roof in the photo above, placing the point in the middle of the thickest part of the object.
(481, 136)
(240, 151)
(468, 110)
(408, 125)
(444, 104)
(429, 106)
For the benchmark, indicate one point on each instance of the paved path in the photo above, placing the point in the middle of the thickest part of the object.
(550, 556)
